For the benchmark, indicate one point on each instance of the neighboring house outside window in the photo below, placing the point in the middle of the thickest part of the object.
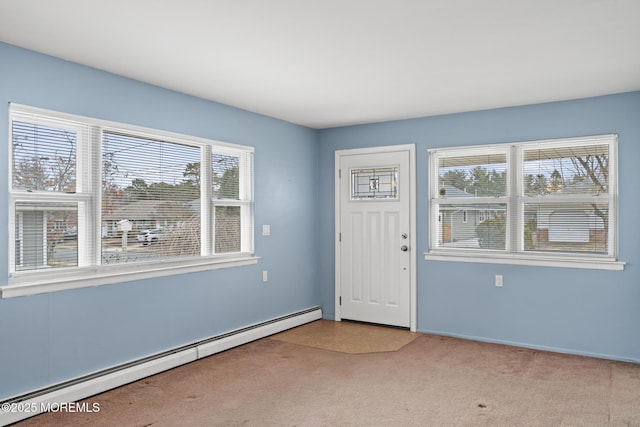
(87, 195)
(539, 202)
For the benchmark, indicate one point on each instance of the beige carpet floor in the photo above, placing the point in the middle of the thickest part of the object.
(429, 381)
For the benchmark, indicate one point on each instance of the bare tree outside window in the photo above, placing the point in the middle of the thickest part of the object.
(44, 158)
(581, 170)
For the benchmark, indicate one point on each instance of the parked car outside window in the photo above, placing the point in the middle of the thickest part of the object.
(142, 236)
(151, 236)
(70, 234)
(154, 236)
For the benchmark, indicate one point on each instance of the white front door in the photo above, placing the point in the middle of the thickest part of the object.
(374, 270)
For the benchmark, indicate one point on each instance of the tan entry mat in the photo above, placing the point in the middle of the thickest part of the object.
(347, 337)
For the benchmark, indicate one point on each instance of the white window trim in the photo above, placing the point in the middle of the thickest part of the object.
(33, 283)
(88, 273)
(541, 261)
(515, 253)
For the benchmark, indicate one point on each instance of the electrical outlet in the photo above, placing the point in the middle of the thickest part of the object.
(499, 280)
(265, 276)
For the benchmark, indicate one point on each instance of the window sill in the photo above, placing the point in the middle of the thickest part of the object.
(22, 284)
(541, 261)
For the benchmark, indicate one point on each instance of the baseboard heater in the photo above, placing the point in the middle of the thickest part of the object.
(12, 410)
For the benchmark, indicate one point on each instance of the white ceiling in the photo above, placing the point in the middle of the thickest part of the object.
(326, 63)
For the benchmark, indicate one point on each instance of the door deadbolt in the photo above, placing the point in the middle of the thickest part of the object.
(404, 235)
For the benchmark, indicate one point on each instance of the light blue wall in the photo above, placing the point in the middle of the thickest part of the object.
(579, 311)
(53, 337)
(49, 338)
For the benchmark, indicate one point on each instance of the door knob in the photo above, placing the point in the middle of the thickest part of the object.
(404, 248)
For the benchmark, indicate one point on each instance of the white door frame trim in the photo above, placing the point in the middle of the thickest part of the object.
(411, 148)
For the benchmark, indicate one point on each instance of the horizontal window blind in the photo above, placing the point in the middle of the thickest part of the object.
(44, 165)
(150, 196)
(86, 192)
(473, 176)
(231, 201)
(44, 157)
(536, 198)
(472, 195)
(566, 201)
(46, 236)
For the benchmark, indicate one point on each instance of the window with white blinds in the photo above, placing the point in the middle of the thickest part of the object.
(89, 194)
(553, 199)
(567, 202)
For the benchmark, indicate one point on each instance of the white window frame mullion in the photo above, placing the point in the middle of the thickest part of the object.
(12, 205)
(614, 223)
(206, 195)
(45, 243)
(434, 214)
(503, 200)
(246, 176)
(247, 232)
(514, 190)
(88, 184)
(612, 238)
(246, 195)
(94, 244)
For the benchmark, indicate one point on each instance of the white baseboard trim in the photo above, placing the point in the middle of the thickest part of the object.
(560, 350)
(31, 404)
(253, 333)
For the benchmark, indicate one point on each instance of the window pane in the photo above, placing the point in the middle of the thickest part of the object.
(473, 176)
(44, 158)
(46, 236)
(227, 229)
(579, 228)
(151, 199)
(226, 176)
(371, 184)
(566, 170)
(480, 226)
